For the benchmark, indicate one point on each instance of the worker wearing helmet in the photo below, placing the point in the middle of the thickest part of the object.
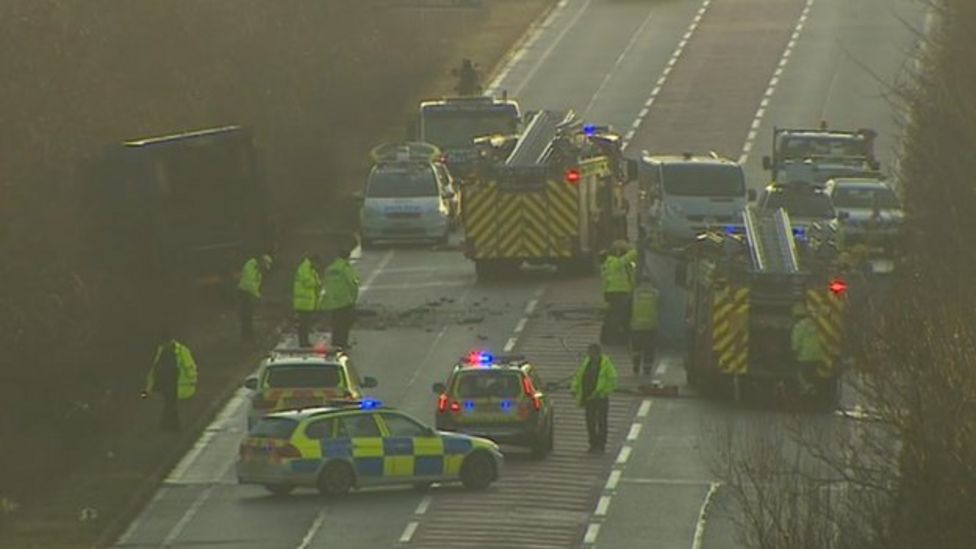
(617, 273)
(249, 291)
(808, 352)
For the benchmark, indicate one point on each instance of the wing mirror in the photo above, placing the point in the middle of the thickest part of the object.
(767, 163)
(369, 382)
(438, 388)
(251, 383)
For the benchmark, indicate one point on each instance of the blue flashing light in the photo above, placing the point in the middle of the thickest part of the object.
(589, 130)
(800, 233)
(469, 405)
(480, 357)
(370, 404)
(506, 405)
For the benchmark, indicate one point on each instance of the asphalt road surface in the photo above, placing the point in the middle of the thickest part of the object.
(672, 76)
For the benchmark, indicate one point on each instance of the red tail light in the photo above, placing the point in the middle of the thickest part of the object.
(531, 393)
(442, 403)
(455, 406)
(287, 452)
(572, 176)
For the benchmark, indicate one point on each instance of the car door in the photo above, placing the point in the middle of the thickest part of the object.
(366, 441)
(419, 450)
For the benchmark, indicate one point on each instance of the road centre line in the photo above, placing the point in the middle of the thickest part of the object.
(411, 285)
(521, 325)
(696, 542)
(408, 532)
(616, 65)
(645, 407)
(313, 530)
(635, 430)
(667, 70)
(774, 82)
(424, 504)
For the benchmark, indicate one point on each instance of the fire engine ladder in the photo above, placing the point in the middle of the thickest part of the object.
(771, 243)
(534, 143)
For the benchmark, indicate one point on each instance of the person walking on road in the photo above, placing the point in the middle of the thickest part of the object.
(249, 291)
(643, 328)
(617, 274)
(173, 377)
(341, 295)
(592, 385)
(808, 351)
(306, 292)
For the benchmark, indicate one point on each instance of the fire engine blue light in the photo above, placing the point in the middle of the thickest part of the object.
(589, 129)
(506, 405)
(469, 405)
(799, 233)
(369, 404)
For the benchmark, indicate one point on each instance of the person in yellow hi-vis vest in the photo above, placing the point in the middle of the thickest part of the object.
(249, 291)
(643, 327)
(617, 274)
(808, 351)
(173, 377)
(306, 295)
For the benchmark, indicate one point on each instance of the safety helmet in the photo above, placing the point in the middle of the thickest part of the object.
(799, 310)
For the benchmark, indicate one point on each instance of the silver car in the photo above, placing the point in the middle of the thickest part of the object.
(866, 203)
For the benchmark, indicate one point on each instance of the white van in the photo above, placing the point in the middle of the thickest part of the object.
(684, 196)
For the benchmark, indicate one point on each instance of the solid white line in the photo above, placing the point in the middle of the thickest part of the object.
(178, 528)
(408, 532)
(668, 481)
(696, 543)
(613, 480)
(602, 506)
(645, 407)
(592, 531)
(410, 285)
(422, 507)
(635, 430)
(314, 529)
(147, 512)
(616, 65)
(545, 55)
(623, 456)
(376, 272)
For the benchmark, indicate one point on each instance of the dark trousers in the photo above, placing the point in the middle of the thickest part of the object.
(807, 370)
(342, 320)
(642, 346)
(616, 322)
(246, 313)
(596, 421)
(304, 325)
(170, 420)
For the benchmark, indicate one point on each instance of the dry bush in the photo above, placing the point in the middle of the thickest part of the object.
(905, 476)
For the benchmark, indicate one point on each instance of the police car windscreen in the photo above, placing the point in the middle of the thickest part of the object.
(457, 129)
(802, 204)
(718, 180)
(402, 183)
(274, 427)
(303, 376)
(489, 384)
(854, 197)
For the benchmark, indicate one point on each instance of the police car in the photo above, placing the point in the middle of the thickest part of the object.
(350, 445)
(499, 398)
(303, 377)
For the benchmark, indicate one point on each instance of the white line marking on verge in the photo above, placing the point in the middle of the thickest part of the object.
(667, 70)
(408, 532)
(773, 83)
(194, 508)
(422, 507)
(623, 456)
(635, 430)
(668, 481)
(313, 530)
(137, 523)
(602, 506)
(613, 480)
(536, 33)
(592, 531)
(545, 55)
(696, 542)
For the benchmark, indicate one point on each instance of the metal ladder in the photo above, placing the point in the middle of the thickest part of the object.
(771, 242)
(537, 138)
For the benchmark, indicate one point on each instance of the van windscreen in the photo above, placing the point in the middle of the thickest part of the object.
(719, 180)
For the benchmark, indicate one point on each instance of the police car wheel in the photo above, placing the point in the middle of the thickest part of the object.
(335, 480)
(477, 471)
(543, 445)
(279, 489)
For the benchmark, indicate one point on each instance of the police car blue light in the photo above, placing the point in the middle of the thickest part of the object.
(469, 405)
(370, 404)
(800, 233)
(589, 130)
(506, 404)
(480, 357)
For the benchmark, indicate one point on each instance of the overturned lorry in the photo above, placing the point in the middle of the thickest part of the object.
(743, 290)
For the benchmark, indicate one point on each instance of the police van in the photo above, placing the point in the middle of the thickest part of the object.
(684, 196)
(409, 196)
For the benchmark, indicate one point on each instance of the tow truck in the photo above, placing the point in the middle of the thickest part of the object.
(742, 289)
(552, 195)
(818, 155)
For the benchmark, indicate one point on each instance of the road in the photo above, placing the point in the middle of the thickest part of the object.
(670, 75)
